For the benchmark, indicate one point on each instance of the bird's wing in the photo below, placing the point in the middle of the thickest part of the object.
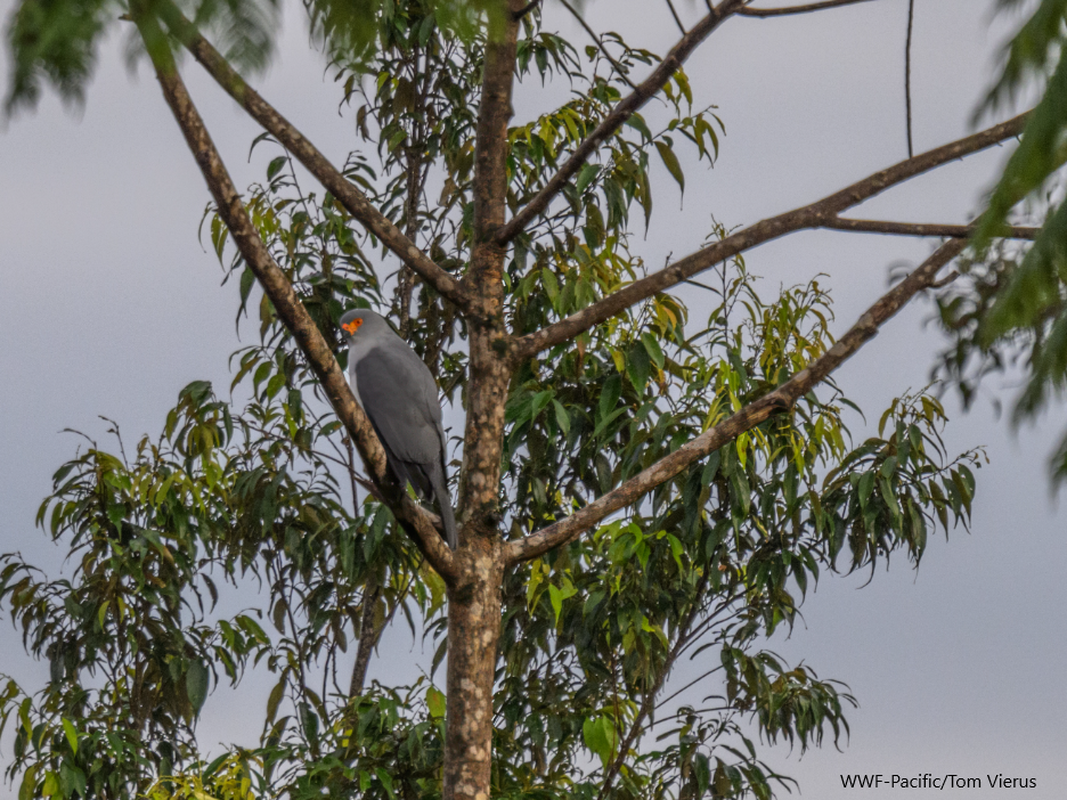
(400, 397)
(398, 393)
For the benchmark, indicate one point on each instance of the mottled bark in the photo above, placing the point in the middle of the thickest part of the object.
(490, 362)
(474, 610)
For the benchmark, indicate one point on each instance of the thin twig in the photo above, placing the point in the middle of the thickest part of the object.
(600, 45)
(907, 72)
(648, 702)
(526, 9)
(368, 639)
(677, 19)
(940, 284)
(920, 228)
(804, 9)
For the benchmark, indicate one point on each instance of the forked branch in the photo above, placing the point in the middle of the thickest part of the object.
(750, 416)
(820, 214)
(353, 200)
(287, 304)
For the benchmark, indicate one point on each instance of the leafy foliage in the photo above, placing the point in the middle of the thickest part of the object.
(57, 41)
(1011, 306)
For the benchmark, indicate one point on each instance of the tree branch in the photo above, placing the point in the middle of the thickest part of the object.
(750, 416)
(920, 228)
(600, 45)
(907, 75)
(816, 215)
(354, 201)
(618, 115)
(677, 19)
(286, 303)
(804, 9)
(368, 640)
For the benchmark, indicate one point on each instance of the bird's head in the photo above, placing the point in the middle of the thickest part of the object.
(362, 324)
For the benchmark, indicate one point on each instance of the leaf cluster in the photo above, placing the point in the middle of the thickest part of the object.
(1011, 307)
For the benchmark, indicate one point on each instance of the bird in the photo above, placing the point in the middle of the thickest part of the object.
(398, 394)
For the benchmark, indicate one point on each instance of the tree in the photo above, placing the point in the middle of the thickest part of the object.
(585, 396)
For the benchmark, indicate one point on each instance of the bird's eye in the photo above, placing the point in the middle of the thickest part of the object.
(352, 326)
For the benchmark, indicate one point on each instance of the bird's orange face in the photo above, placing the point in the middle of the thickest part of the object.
(353, 326)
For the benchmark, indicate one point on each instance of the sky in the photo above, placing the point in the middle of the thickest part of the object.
(109, 305)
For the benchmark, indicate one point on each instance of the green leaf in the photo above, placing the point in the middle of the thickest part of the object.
(551, 284)
(599, 736)
(670, 161)
(436, 702)
(638, 368)
(866, 485)
(50, 785)
(655, 352)
(196, 684)
(637, 122)
(275, 699)
(562, 418)
(556, 598)
(55, 39)
(71, 734)
(585, 177)
(275, 166)
(386, 779)
(609, 396)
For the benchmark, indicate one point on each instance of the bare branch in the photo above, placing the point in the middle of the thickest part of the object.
(618, 115)
(920, 228)
(804, 9)
(677, 19)
(600, 45)
(354, 201)
(907, 73)
(286, 302)
(747, 418)
(819, 214)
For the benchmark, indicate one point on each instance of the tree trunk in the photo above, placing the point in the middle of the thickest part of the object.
(473, 630)
(474, 603)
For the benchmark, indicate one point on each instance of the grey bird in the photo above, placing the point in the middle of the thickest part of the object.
(399, 396)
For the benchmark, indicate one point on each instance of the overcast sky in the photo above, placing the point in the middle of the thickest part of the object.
(109, 305)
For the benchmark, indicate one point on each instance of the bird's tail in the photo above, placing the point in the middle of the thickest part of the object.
(444, 502)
